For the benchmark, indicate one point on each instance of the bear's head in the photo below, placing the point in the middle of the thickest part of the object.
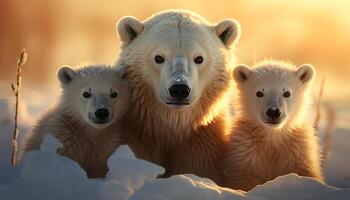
(274, 94)
(94, 95)
(178, 60)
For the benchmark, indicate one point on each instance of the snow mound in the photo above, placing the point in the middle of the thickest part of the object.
(185, 187)
(47, 175)
(292, 186)
(288, 187)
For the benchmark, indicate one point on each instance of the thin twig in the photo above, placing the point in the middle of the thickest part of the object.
(16, 88)
(328, 135)
(318, 106)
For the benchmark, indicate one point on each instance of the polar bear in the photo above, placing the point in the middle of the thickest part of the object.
(271, 136)
(179, 66)
(86, 119)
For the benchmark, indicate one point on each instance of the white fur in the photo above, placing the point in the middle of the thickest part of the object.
(98, 80)
(273, 78)
(73, 120)
(262, 147)
(182, 137)
(177, 34)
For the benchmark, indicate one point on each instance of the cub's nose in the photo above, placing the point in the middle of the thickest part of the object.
(273, 113)
(102, 113)
(179, 92)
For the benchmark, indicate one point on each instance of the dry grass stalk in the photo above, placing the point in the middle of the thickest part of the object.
(330, 123)
(16, 88)
(318, 106)
(328, 135)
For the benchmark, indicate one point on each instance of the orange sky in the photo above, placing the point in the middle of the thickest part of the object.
(69, 32)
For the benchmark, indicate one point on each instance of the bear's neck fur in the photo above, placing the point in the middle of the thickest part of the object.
(192, 140)
(258, 130)
(161, 121)
(292, 150)
(88, 146)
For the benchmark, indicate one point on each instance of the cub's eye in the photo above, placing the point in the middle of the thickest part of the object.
(114, 94)
(259, 94)
(158, 59)
(286, 94)
(198, 60)
(86, 95)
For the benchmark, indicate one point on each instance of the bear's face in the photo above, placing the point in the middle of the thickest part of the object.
(274, 96)
(94, 95)
(177, 57)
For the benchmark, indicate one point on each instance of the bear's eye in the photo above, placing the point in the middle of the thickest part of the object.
(198, 60)
(158, 59)
(114, 94)
(86, 95)
(259, 94)
(286, 94)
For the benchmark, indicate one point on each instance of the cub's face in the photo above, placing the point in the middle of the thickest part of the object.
(177, 59)
(274, 96)
(95, 95)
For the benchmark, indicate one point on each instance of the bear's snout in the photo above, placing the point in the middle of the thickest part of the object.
(273, 114)
(179, 91)
(102, 114)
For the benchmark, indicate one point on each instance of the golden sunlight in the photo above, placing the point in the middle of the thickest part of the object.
(71, 32)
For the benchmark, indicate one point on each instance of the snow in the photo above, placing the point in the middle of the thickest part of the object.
(47, 175)
(288, 187)
(185, 187)
(337, 168)
(6, 128)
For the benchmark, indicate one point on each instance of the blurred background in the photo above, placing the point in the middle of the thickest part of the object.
(71, 32)
(59, 32)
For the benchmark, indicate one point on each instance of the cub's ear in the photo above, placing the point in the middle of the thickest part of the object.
(65, 74)
(241, 73)
(128, 28)
(228, 30)
(306, 73)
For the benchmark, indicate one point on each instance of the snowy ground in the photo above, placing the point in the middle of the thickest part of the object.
(46, 175)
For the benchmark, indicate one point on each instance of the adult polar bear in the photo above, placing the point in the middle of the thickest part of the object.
(180, 68)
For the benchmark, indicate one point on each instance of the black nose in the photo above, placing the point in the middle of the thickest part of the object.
(179, 92)
(273, 113)
(102, 113)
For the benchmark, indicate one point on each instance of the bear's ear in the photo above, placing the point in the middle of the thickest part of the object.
(228, 30)
(305, 73)
(128, 28)
(65, 74)
(241, 73)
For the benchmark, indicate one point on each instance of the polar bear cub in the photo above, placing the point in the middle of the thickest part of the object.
(86, 119)
(270, 136)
